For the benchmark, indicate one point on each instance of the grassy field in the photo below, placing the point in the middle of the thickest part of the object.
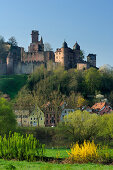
(12, 84)
(59, 153)
(23, 165)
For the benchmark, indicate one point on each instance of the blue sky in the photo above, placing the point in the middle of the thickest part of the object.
(89, 22)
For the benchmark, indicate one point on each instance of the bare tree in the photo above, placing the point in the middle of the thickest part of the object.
(47, 47)
(12, 41)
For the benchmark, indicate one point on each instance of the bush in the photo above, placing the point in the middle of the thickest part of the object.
(86, 152)
(21, 148)
(89, 152)
(7, 117)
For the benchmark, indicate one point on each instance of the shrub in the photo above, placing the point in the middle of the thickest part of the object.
(21, 148)
(86, 152)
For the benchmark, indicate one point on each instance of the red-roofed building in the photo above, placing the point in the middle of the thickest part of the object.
(101, 108)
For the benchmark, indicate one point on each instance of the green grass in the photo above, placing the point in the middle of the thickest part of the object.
(57, 153)
(23, 165)
(12, 84)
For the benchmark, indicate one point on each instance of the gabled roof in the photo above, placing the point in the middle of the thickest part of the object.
(98, 106)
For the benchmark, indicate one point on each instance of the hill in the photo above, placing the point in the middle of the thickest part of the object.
(12, 84)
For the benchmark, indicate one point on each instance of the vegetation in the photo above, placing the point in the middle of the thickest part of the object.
(12, 84)
(86, 152)
(49, 166)
(59, 84)
(7, 117)
(21, 148)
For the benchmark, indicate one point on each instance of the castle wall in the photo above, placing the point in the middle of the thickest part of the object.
(25, 68)
(3, 69)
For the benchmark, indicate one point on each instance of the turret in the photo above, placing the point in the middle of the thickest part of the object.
(34, 36)
(41, 40)
(76, 46)
(91, 59)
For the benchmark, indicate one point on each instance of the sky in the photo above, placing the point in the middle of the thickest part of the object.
(89, 22)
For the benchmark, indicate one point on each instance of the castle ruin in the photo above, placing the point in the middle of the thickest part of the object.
(20, 62)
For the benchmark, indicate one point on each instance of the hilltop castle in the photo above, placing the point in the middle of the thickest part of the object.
(20, 62)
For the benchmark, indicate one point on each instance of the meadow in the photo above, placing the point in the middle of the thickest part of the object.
(23, 165)
(11, 84)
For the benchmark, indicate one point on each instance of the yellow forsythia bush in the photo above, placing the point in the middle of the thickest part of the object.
(86, 152)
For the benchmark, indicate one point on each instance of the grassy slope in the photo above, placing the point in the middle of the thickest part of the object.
(12, 84)
(23, 165)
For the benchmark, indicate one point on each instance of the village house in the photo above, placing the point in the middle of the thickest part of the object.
(101, 108)
(22, 117)
(37, 118)
(65, 110)
(30, 118)
(52, 114)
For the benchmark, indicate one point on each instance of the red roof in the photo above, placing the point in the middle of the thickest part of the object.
(98, 106)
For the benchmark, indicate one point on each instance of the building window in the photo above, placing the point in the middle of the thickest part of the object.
(41, 118)
(31, 122)
(50, 121)
(54, 121)
(47, 116)
(34, 118)
(46, 121)
(34, 121)
(31, 118)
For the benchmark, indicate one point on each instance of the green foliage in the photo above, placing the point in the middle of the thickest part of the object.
(92, 81)
(67, 82)
(12, 84)
(82, 125)
(21, 148)
(7, 117)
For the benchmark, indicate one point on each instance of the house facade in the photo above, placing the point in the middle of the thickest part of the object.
(52, 114)
(37, 118)
(30, 118)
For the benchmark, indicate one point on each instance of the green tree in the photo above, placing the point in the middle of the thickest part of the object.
(7, 117)
(92, 81)
(82, 125)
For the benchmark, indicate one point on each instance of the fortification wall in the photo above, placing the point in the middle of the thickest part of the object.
(3, 69)
(25, 68)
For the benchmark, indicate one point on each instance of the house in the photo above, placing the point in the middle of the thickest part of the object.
(22, 117)
(101, 108)
(52, 114)
(30, 118)
(37, 118)
(65, 110)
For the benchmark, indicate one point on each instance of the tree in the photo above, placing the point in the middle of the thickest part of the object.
(82, 54)
(82, 125)
(7, 117)
(80, 101)
(92, 81)
(47, 47)
(3, 49)
(12, 41)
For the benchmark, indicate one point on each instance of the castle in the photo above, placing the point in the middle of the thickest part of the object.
(20, 62)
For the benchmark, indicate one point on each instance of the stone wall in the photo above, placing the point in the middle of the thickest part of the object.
(25, 68)
(3, 69)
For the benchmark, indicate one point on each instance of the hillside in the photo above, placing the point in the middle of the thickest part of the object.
(12, 84)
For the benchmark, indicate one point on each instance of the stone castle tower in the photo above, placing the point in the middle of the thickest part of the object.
(68, 57)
